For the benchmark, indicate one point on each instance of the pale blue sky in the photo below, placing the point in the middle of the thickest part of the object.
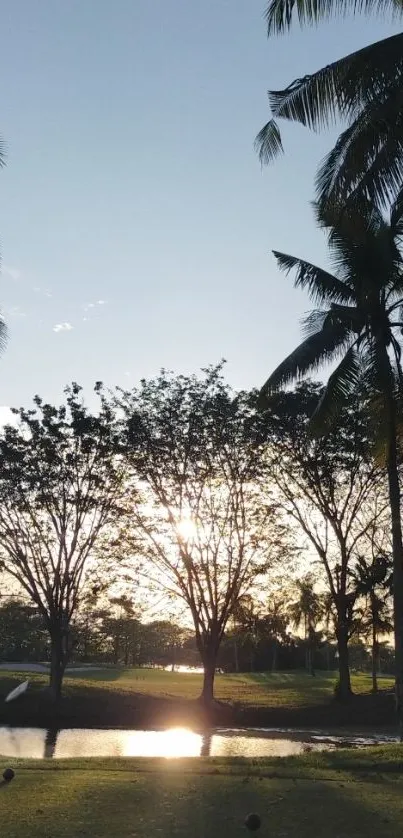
(132, 180)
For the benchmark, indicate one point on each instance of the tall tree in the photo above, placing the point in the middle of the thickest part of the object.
(193, 446)
(361, 321)
(371, 584)
(331, 489)
(307, 611)
(61, 489)
(362, 90)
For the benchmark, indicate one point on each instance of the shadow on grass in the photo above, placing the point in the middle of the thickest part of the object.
(174, 804)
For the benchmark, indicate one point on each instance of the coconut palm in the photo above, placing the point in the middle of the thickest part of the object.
(307, 610)
(371, 583)
(359, 325)
(363, 90)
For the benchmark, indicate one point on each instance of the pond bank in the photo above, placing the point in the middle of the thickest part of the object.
(97, 707)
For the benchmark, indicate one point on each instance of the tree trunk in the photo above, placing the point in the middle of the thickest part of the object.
(236, 656)
(209, 662)
(344, 685)
(274, 658)
(374, 662)
(57, 665)
(394, 498)
(311, 662)
(251, 660)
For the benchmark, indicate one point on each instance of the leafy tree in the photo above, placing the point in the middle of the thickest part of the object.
(359, 321)
(61, 490)
(273, 624)
(330, 488)
(207, 534)
(362, 90)
(22, 632)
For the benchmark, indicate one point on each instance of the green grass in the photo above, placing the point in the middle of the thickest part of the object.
(283, 689)
(326, 795)
(153, 698)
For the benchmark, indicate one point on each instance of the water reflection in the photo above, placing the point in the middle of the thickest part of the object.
(172, 743)
(50, 743)
(177, 742)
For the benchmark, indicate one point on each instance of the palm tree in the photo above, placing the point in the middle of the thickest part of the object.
(307, 610)
(371, 582)
(360, 322)
(364, 90)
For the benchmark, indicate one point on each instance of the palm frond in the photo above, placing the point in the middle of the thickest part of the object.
(342, 89)
(280, 13)
(319, 348)
(341, 384)
(313, 322)
(321, 285)
(3, 152)
(367, 159)
(268, 142)
(3, 334)
(396, 215)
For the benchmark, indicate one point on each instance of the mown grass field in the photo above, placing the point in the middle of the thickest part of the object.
(283, 689)
(338, 795)
(147, 697)
(291, 689)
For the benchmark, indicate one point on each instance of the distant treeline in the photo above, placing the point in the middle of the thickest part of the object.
(111, 636)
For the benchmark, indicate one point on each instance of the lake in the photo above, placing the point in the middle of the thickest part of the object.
(176, 742)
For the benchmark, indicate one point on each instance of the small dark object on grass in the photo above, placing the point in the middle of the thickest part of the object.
(253, 822)
(8, 775)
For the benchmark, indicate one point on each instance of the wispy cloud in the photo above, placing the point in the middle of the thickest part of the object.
(87, 306)
(63, 327)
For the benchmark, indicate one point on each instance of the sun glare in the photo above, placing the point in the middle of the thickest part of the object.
(186, 528)
(177, 742)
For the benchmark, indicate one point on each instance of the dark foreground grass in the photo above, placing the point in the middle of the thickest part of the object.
(140, 697)
(341, 795)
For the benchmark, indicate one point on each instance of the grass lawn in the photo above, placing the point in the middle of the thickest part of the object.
(338, 795)
(112, 695)
(283, 689)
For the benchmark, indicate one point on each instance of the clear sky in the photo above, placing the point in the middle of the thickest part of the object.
(133, 206)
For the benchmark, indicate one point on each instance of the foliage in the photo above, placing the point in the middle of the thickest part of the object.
(61, 488)
(207, 531)
(362, 90)
(332, 490)
(362, 323)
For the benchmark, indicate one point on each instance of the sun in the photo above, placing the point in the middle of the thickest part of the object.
(186, 528)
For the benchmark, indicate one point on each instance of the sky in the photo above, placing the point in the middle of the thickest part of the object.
(136, 223)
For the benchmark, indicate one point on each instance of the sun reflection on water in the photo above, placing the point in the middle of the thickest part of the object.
(176, 742)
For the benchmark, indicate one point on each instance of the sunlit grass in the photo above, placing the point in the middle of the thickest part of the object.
(293, 689)
(328, 796)
(283, 689)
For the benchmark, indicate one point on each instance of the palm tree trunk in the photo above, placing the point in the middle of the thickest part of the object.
(236, 656)
(397, 544)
